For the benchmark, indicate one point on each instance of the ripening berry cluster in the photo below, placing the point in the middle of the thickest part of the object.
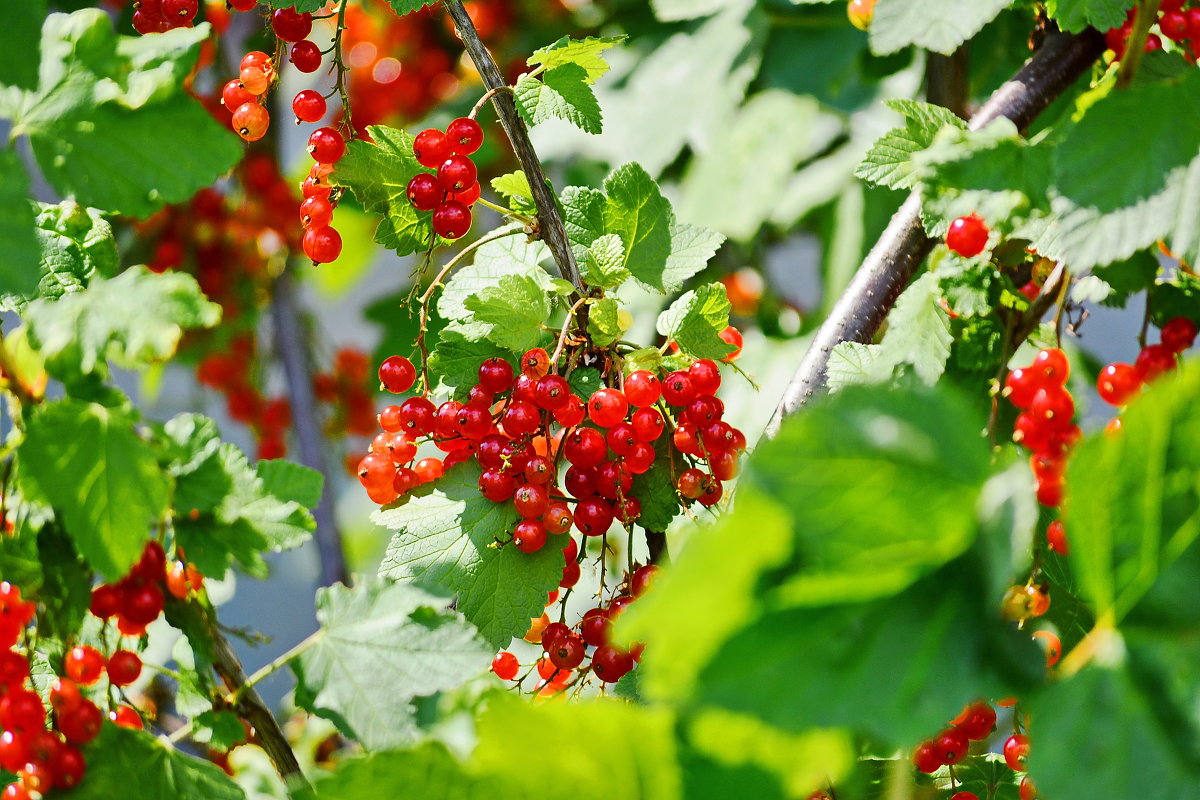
(1045, 425)
(453, 189)
(45, 759)
(521, 427)
(1176, 23)
(159, 16)
(137, 599)
(975, 724)
(566, 648)
(1119, 383)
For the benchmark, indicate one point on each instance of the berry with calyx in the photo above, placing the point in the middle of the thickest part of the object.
(643, 388)
(1056, 537)
(951, 746)
(967, 236)
(322, 245)
(124, 667)
(505, 665)
(465, 135)
(925, 758)
(861, 12)
(451, 219)
(457, 173)
(251, 121)
(424, 192)
(397, 374)
(1016, 748)
(1051, 644)
(326, 145)
(607, 407)
(1118, 383)
(611, 663)
(976, 721)
(308, 106)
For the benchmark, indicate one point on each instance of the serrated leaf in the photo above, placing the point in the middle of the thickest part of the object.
(563, 92)
(604, 263)
(1075, 15)
(515, 187)
(648, 358)
(455, 360)
(889, 161)
(938, 25)
(291, 482)
(402, 7)
(310, 6)
(19, 273)
(585, 53)
(853, 363)
(918, 331)
(642, 217)
(515, 308)
(380, 645)
(510, 255)
(115, 490)
(135, 319)
(655, 490)
(694, 321)
(378, 175)
(163, 773)
(603, 325)
(442, 538)
(77, 245)
(220, 730)
(692, 248)
(583, 214)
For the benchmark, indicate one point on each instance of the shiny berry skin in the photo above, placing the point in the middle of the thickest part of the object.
(647, 424)
(1178, 334)
(520, 418)
(643, 388)
(496, 375)
(469, 196)
(1052, 646)
(1020, 386)
(539, 470)
(84, 664)
(424, 192)
(254, 80)
(14, 669)
(322, 245)
(1051, 368)
(233, 96)
(712, 492)
(585, 447)
(977, 721)
(81, 724)
(1056, 537)
(1054, 407)
(706, 376)
(242, 5)
(316, 212)
(861, 12)
(552, 392)
(596, 628)
(451, 219)
(967, 236)
(951, 746)
(397, 374)
(531, 500)
(580, 482)
(106, 601)
(417, 416)
(621, 438)
(21, 711)
(558, 518)
(570, 575)
(607, 407)
(251, 121)
(925, 758)
(572, 413)
(67, 765)
(611, 663)
(535, 363)
(964, 795)
(731, 336)
(124, 667)
(465, 135)
(290, 25)
(326, 145)
(642, 578)
(180, 12)
(457, 173)
(309, 106)
(1153, 361)
(1174, 25)
(568, 651)
(1118, 383)
(613, 479)
(496, 485)
(306, 56)
(431, 147)
(1016, 748)
(593, 516)
(505, 665)
(704, 410)
(677, 389)
(529, 536)
(126, 717)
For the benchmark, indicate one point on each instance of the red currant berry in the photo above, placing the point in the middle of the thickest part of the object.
(316, 212)
(647, 424)
(1016, 748)
(585, 447)
(290, 25)
(535, 363)
(925, 758)
(417, 416)
(643, 388)
(1051, 644)
(1020, 386)
(706, 376)
(124, 667)
(1179, 333)
(1051, 368)
(251, 121)
(496, 375)
(326, 145)
(529, 536)
(465, 135)
(496, 485)
(505, 665)
(712, 491)
(306, 56)
(106, 601)
(431, 147)
(593, 516)
(424, 193)
(568, 651)
(322, 245)
(397, 374)
(704, 410)
(977, 721)
(451, 220)
(1056, 537)
(254, 80)
(126, 717)
(964, 795)
(607, 407)
(596, 628)
(68, 766)
(457, 173)
(951, 746)
(84, 664)
(469, 196)
(611, 663)
(309, 106)
(967, 236)
(520, 418)
(233, 96)
(552, 392)
(677, 389)
(1054, 407)
(1153, 361)
(429, 469)
(1118, 383)
(14, 669)
(180, 12)
(642, 578)
(570, 575)
(531, 500)
(731, 336)
(81, 724)
(21, 711)
(580, 482)
(558, 518)
(613, 480)
(621, 438)
(572, 413)
(539, 470)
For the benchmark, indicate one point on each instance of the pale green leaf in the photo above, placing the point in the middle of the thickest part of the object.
(889, 161)
(938, 25)
(694, 321)
(515, 309)
(603, 325)
(586, 53)
(604, 264)
(918, 331)
(563, 92)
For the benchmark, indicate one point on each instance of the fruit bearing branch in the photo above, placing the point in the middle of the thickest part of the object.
(550, 222)
(899, 252)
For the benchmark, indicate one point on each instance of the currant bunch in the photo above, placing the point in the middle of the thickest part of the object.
(450, 191)
(1118, 383)
(974, 724)
(159, 16)
(138, 599)
(1178, 24)
(1045, 425)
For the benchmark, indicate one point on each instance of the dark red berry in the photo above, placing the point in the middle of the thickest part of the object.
(496, 375)
(431, 147)
(457, 173)
(451, 219)
(290, 25)
(326, 145)
(424, 192)
(306, 56)
(397, 374)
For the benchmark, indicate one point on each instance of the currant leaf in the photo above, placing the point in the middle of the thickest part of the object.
(510, 255)
(889, 161)
(604, 263)
(603, 325)
(1075, 15)
(938, 25)
(19, 273)
(515, 309)
(456, 359)
(694, 321)
(918, 331)
(515, 187)
(563, 92)
(584, 53)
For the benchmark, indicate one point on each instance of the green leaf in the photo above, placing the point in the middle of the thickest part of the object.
(1129, 704)
(291, 482)
(563, 92)
(655, 490)
(604, 264)
(584, 53)
(583, 214)
(852, 363)
(515, 187)
(163, 773)
(221, 730)
(201, 482)
(312, 6)
(889, 161)
(694, 321)
(77, 245)
(19, 273)
(515, 308)
(642, 217)
(455, 360)
(938, 25)
(101, 477)
(23, 25)
(135, 319)
(402, 7)
(380, 645)
(378, 174)
(1135, 506)
(672, 10)
(603, 324)
(692, 248)
(918, 331)
(424, 771)
(585, 381)
(510, 255)
(81, 121)
(648, 358)
(442, 539)
(1075, 15)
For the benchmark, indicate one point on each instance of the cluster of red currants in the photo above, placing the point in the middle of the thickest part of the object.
(1178, 24)
(508, 422)
(1120, 383)
(451, 192)
(159, 16)
(952, 745)
(44, 759)
(137, 599)
(1045, 425)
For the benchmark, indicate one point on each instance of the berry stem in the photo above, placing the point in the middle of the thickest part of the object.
(487, 96)
(340, 67)
(550, 223)
(903, 246)
(1145, 14)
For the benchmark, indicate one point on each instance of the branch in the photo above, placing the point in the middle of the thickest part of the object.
(903, 246)
(656, 543)
(291, 346)
(550, 223)
(946, 80)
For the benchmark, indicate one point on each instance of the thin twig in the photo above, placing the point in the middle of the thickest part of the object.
(341, 69)
(903, 246)
(1145, 13)
(483, 100)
